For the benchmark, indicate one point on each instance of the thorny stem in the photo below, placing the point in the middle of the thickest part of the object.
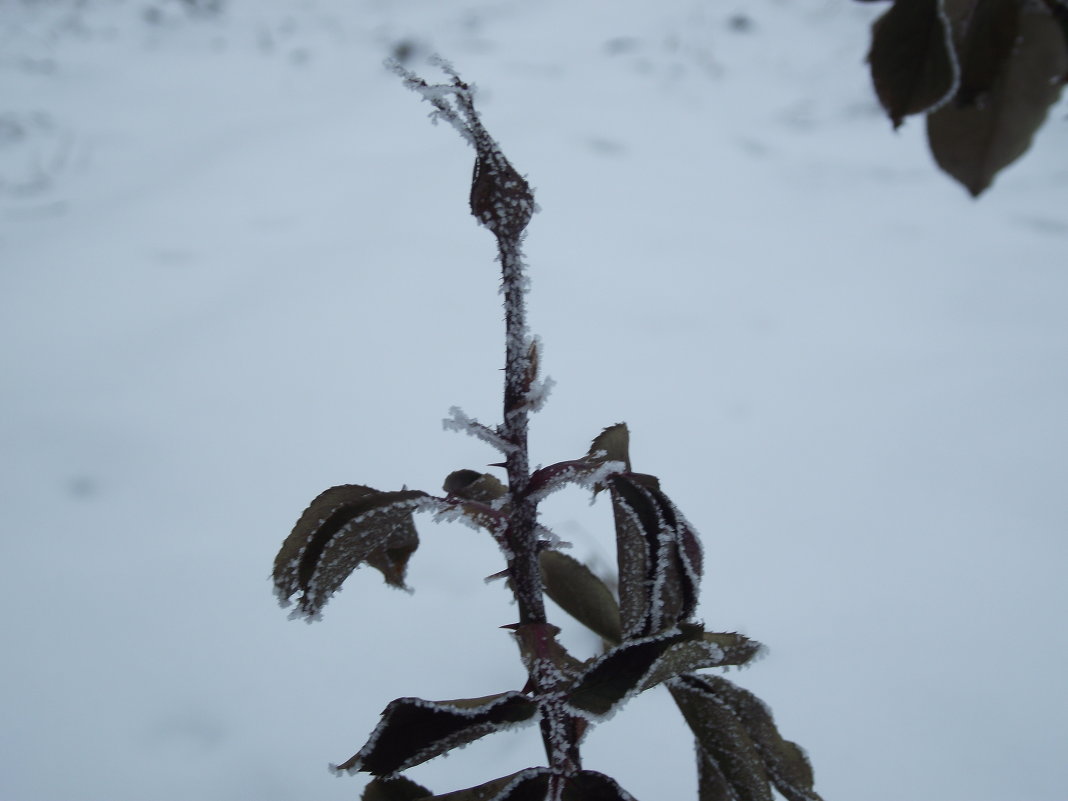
(558, 728)
(503, 202)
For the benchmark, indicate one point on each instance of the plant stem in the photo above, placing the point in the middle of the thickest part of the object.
(558, 728)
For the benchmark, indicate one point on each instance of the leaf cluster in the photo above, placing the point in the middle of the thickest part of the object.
(984, 72)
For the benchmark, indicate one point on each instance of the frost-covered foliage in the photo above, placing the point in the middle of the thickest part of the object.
(649, 628)
(985, 72)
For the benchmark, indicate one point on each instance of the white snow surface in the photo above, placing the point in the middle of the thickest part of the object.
(237, 267)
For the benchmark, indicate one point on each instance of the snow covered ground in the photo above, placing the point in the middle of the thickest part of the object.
(237, 267)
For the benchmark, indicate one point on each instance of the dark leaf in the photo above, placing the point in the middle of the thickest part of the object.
(472, 486)
(413, 730)
(989, 36)
(343, 528)
(710, 650)
(973, 144)
(581, 594)
(622, 672)
(659, 557)
(398, 788)
(589, 785)
(531, 784)
(1059, 10)
(913, 66)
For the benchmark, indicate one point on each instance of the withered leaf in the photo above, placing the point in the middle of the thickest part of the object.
(345, 527)
(974, 143)
(913, 67)
(581, 594)
(413, 730)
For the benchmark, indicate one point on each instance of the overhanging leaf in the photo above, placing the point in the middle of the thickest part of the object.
(581, 594)
(974, 143)
(913, 65)
(413, 730)
(345, 527)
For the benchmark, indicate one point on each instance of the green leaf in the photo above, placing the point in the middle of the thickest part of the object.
(581, 594)
(345, 527)
(913, 66)
(589, 785)
(413, 730)
(398, 788)
(974, 143)
(531, 784)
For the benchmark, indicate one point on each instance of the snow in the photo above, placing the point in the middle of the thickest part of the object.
(250, 273)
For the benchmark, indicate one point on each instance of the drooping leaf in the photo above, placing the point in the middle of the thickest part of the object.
(345, 527)
(531, 784)
(397, 788)
(725, 751)
(589, 785)
(974, 143)
(786, 763)
(989, 36)
(413, 730)
(658, 554)
(581, 594)
(736, 733)
(913, 64)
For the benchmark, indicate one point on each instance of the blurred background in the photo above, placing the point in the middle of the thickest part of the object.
(237, 267)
